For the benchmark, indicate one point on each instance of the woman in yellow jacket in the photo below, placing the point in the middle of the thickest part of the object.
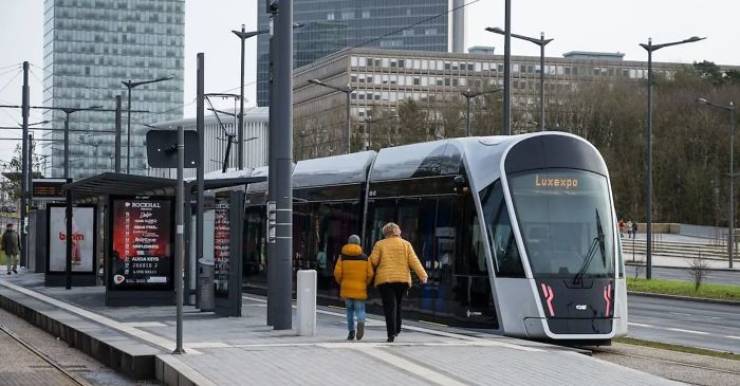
(354, 273)
(393, 259)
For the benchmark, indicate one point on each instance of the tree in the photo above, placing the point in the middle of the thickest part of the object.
(413, 122)
(12, 189)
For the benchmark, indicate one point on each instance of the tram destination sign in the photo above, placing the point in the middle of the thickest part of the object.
(142, 255)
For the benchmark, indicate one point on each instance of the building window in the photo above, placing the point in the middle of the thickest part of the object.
(365, 14)
(330, 16)
(346, 15)
(430, 31)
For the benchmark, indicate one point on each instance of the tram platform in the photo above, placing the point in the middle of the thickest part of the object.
(234, 351)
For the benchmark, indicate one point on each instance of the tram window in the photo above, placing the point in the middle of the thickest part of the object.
(506, 256)
(383, 211)
(255, 262)
(473, 252)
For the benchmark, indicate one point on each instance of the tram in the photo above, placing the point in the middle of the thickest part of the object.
(517, 233)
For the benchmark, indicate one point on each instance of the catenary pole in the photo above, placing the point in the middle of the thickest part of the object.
(68, 210)
(507, 69)
(271, 269)
(649, 173)
(731, 247)
(542, 81)
(240, 136)
(117, 150)
(25, 165)
(205, 270)
(179, 236)
(283, 151)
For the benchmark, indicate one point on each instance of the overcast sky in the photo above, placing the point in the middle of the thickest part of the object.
(589, 25)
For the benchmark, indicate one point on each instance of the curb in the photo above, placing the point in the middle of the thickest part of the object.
(631, 264)
(688, 298)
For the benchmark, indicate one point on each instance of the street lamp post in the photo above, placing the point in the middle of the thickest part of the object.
(731, 221)
(243, 35)
(541, 42)
(348, 92)
(468, 96)
(130, 85)
(650, 47)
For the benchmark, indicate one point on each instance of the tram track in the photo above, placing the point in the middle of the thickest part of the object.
(45, 358)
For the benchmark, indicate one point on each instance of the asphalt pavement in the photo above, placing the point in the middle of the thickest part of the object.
(684, 322)
(677, 273)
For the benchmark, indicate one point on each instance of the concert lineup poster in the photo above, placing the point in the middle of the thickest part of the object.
(83, 239)
(221, 247)
(143, 248)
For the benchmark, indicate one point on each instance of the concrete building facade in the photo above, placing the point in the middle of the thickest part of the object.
(328, 26)
(90, 47)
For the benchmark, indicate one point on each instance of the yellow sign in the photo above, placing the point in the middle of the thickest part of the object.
(555, 182)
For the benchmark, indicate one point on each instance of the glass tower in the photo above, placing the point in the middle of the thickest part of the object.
(331, 25)
(90, 47)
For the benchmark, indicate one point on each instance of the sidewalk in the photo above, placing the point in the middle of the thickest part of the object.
(238, 351)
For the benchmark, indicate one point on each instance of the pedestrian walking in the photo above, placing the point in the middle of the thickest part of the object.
(621, 227)
(393, 259)
(629, 229)
(354, 273)
(634, 229)
(11, 245)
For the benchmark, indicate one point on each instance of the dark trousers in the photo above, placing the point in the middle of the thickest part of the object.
(392, 294)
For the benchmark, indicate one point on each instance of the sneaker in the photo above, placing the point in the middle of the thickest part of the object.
(390, 339)
(351, 335)
(360, 330)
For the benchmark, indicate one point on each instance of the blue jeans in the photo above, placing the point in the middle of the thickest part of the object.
(354, 308)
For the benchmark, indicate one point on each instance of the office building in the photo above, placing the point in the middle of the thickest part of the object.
(327, 26)
(382, 79)
(90, 47)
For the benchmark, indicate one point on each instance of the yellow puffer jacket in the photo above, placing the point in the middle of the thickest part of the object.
(393, 259)
(353, 272)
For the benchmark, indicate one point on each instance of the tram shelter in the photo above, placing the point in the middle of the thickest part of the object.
(126, 202)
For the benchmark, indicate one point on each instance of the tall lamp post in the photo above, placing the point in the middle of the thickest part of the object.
(243, 35)
(348, 92)
(130, 85)
(650, 47)
(731, 222)
(468, 96)
(541, 42)
(68, 178)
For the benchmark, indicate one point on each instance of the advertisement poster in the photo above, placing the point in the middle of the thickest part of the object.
(142, 244)
(83, 239)
(221, 247)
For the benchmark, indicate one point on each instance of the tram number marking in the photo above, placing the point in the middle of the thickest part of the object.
(581, 307)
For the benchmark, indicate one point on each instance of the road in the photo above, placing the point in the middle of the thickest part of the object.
(676, 273)
(687, 323)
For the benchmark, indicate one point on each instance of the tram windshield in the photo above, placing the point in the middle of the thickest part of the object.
(565, 220)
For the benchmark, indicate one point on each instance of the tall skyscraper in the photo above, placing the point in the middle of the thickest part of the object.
(328, 26)
(90, 47)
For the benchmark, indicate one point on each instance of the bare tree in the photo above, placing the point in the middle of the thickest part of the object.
(698, 271)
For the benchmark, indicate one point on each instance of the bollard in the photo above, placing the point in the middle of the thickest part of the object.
(306, 294)
(205, 279)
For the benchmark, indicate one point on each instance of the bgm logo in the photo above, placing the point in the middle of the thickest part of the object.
(118, 279)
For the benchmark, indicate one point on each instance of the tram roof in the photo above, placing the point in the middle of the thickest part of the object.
(337, 170)
(428, 159)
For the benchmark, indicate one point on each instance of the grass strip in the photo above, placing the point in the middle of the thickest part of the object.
(674, 347)
(684, 288)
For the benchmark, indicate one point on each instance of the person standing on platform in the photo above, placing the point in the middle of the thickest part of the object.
(11, 245)
(629, 229)
(354, 273)
(393, 259)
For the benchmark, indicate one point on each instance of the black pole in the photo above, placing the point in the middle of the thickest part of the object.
(507, 69)
(649, 172)
(128, 131)
(731, 228)
(467, 117)
(179, 236)
(117, 150)
(240, 136)
(271, 269)
(68, 211)
(205, 270)
(283, 151)
(25, 161)
(542, 81)
(349, 120)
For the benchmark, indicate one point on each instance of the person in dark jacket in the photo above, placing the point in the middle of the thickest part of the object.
(354, 273)
(11, 245)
